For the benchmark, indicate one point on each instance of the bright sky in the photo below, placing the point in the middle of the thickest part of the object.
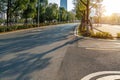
(70, 4)
(112, 6)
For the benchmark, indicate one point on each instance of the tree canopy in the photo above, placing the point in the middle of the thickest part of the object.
(83, 10)
(25, 10)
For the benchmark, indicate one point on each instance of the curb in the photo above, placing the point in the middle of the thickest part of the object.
(76, 31)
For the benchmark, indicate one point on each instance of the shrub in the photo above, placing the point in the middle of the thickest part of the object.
(2, 28)
(19, 27)
(82, 32)
(103, 35)
(118, 35)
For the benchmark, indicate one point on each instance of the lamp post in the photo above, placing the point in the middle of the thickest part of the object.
(38, 11)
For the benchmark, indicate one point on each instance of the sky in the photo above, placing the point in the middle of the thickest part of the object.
(70, 4)
(112, 6)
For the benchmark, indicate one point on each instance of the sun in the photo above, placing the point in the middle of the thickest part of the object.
(111, 6)
(108, 13)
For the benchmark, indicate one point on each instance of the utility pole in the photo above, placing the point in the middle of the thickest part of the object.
(59, 14)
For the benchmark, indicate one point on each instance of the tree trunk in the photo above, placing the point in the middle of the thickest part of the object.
(87, 25)
(8, 8)
(9, 14)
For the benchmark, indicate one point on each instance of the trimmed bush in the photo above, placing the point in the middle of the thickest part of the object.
(19, 27)
(103, 35)
(13, 28)
(118, 35)
(2, 28)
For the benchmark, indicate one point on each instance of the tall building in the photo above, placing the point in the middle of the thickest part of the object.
(63, 3)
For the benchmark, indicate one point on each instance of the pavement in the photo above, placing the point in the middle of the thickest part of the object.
(112, 29)
(91, 59)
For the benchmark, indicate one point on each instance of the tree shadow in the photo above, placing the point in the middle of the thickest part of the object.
(22, 65)
(26, 63)
(30, 40)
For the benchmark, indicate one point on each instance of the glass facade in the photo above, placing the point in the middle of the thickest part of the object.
(63, 3)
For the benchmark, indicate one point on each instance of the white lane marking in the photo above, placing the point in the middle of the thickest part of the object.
(117, 43)
(92, 75)
(111, 77)
(102, 49)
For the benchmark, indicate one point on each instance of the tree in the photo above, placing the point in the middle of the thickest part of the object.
(3, 3)
(52, 12)
(62, 14)
(83, 9)
(18, 7)
(71, 16)
(42, 9)
(100, 9)
(12, 7)
(30, 11)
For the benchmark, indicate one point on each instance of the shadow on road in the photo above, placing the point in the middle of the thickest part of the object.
(24, 64)
(33, 39)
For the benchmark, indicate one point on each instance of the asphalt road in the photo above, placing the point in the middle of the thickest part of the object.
(34, 54)
(54, 53)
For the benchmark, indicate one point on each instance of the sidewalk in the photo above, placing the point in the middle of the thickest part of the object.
(112, 29)
(90, 56)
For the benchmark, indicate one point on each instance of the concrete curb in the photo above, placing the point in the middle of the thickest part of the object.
(76, 31)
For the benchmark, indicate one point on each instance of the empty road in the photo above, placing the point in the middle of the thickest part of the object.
(34, 54)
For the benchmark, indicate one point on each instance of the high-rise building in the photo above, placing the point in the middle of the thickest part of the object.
(63, 3)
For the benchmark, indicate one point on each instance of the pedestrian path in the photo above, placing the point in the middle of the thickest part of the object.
(99, 44)
(112, 29)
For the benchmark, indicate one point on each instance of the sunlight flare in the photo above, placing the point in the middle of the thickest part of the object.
(111, 6)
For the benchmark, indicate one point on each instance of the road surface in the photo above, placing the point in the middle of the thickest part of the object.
(34, 54)
(54, 53)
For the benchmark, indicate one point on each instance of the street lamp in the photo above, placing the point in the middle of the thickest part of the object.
(38, 11)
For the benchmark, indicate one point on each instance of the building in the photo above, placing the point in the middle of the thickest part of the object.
(3, 16)
(63, 3)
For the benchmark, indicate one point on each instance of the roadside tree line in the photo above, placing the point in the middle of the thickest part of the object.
(26, 11)
(111, 19)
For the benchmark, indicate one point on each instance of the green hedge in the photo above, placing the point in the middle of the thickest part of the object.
(19, 27)
(16, 27)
